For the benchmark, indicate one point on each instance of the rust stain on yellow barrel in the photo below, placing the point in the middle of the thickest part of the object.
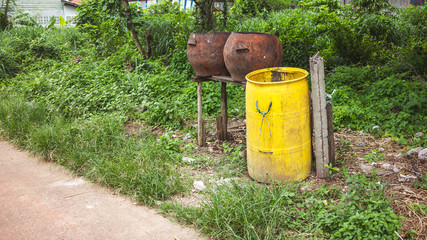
(278, 124)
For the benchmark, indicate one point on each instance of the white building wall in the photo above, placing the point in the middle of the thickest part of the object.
(44, 10)
(69, 12)
(41, 5)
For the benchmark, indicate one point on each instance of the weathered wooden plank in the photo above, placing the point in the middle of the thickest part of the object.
(225, 79)
(320, 122)
(200, 123)
(331, 139)
(219, 130)
(224, 110)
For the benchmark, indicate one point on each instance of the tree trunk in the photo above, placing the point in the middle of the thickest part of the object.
(5, 14)
(205, 14)
(131, 27)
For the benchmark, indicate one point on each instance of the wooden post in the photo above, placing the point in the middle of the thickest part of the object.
(201, 128)
(320, 120)
(224, 110)
(331, 139)
(313, 143)
(219, 131)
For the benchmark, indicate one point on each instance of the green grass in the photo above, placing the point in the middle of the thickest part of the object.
(247, 210)
(96, 148)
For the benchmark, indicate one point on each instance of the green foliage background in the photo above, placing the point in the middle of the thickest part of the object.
(376, 61)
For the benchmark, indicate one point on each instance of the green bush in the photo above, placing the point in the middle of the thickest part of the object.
(340, 38)
(25, 46)
(279, 5)
(316, 4)
(170, 27)
(246, 7)
(371, 96)
(161, 96)
(415, 53)
(371, 6)
(105, 23)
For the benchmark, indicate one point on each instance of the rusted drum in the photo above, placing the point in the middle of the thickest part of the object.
(205, 53)
(247, 52)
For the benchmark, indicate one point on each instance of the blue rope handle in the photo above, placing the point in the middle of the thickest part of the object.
(259, 111)
(263, 116)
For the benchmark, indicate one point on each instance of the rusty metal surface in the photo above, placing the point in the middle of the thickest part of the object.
(247, 52)
(205, 53)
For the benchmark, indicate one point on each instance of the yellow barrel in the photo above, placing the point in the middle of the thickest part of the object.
(278, 124)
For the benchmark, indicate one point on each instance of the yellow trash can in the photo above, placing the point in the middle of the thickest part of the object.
(278, 124)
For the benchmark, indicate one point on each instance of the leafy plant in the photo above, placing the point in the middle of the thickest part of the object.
(106, 31)
(375, 156)
(172, 145)
(419, 207)
(279, 5)
(331, 169)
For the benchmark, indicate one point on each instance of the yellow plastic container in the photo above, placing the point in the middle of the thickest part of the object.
(278, 124)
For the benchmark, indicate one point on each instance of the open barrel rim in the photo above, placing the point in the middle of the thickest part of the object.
(277, 69)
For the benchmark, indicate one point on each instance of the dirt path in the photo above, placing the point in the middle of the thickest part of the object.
(41, 201)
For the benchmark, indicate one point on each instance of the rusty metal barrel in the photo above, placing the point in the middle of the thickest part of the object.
(247, 52)
(205, 53)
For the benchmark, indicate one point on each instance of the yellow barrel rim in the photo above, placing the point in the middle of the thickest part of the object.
(277, 69)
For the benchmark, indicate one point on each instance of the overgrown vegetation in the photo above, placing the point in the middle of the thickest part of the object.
(383, 100)
(242, 210)
(96, 148)
(67, 92)
(374, 56)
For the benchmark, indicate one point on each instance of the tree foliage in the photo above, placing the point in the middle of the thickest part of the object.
(5, 6)
(204, 15)
(371, 6)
